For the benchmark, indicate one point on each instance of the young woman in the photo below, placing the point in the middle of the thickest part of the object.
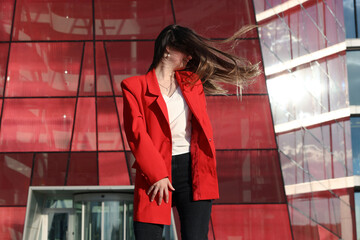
(169, 131)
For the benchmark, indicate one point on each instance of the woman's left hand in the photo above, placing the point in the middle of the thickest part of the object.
(162, 187)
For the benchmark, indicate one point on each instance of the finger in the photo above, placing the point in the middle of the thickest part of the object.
(166, 195)
(154, 194)
(171, 186)
(161, 194)
(150, 189)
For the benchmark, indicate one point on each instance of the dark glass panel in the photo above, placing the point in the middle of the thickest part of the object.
(353, 72)
(204, 16)
(15, 173)
(103, 85)
(6, 14)
(109, 137)
(128, 59)
(241, 124)
(256, 221)
(12, 222)
(87, 82)
(119, 103)
(37, 124)
(113, 169)
(53, 20)
(349, 16)
(83, 169)
(249, 177)
(44, 69)
(4, 49)
(128, 19)
(50, 169)
(84, 136)
(358, 18)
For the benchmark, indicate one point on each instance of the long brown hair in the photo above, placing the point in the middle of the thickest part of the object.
(212, 65)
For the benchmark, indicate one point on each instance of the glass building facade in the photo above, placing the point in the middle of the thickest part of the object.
(287, 151)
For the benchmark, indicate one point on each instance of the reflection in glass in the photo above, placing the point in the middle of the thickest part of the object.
(44, 69)
(53, 20)
(28, 124)
(58, 226)
(104, 219)
(127, 19)
(353, 69)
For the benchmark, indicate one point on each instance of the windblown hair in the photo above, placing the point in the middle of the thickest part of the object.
(212, 65)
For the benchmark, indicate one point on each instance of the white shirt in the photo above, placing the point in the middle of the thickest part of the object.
(180, 124)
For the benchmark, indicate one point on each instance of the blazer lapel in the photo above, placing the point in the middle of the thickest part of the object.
(154, 93)
(191, 97)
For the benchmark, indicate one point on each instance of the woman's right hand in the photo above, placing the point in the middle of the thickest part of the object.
(162, 187)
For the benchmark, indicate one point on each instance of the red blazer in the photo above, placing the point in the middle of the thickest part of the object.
(148, 133)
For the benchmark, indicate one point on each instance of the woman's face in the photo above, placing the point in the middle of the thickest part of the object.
(178, 60)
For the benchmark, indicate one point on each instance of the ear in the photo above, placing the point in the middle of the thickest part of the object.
(167, 49)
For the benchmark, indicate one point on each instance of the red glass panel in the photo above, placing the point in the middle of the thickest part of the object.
(84, 138)
(103, 85)
(12, 222)
(215, 19)
(119, 103)
(302, 226)
(113, 169)
(303, 204)
(109, 137)
(37, 125)
(4, 48)
(50, 169)
(128, 19)
(6, 13)
(325, 234)
(249, 177)
(241, 124)
(327, 210)
(44, 69)
(15, 173)
(53, 20)
(83, 169)
(128, 59)
(256, 221)
(87, 82)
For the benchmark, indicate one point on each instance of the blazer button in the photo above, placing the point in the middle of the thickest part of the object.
(209, 139)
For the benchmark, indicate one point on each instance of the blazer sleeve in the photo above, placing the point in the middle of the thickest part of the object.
(148, 159)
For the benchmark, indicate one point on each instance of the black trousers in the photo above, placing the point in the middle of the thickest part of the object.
(194, 215)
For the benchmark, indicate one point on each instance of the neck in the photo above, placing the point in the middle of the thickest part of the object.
(164, 74)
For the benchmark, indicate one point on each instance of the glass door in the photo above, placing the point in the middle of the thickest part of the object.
(103, 216)
(58, 224)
